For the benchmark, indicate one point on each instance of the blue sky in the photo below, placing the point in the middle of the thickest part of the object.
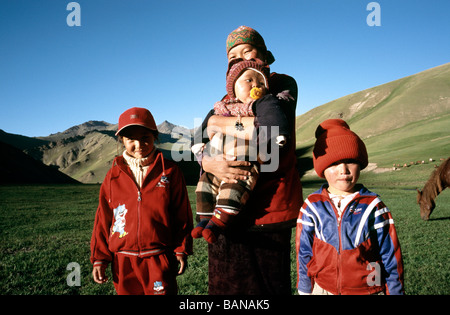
(169, 56)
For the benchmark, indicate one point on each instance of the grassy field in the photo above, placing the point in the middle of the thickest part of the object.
(45, 228)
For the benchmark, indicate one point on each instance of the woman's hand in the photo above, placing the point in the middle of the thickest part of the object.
(226, 170)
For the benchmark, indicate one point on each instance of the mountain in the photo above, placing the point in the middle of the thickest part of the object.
(401, 121)
(79, 130)
(16, 167)
(85, 152)
(21, 142)
(166, 128)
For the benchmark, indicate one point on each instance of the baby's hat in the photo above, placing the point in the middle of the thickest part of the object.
(237, 66)
(136, 116)
(336, 142)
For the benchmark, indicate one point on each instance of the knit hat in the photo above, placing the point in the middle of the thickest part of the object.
(136, 116)
(247, 35)
(336, 142)
(237, 66)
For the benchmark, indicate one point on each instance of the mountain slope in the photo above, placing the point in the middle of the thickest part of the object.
(79, 130)
(16, 167)
(400, 121)
(85, 152)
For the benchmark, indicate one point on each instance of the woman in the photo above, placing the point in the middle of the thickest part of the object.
(253, 255)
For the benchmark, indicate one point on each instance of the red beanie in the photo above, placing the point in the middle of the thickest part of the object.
(336, 142)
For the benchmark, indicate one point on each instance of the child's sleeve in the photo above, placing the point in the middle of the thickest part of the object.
(180, 207)
(390, 251)
(100, 253)
(304, 242)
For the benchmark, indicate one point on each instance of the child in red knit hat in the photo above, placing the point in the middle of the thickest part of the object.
(346, 239)
(247, 85)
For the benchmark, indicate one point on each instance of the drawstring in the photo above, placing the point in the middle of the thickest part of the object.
(110, 179)
(162, 161)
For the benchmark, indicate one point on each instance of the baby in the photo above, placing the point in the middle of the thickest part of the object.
(247, 85)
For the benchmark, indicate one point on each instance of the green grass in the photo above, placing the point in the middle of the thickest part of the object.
(44, 228)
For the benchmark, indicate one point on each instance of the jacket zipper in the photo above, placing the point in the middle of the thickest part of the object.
(339, 257)
(139, 222)
(339, 266)
(339, 262)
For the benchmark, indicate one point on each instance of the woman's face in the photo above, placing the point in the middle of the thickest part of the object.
(138, 141)
(245, 51)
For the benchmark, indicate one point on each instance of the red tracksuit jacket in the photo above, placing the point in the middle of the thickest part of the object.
(142, 222)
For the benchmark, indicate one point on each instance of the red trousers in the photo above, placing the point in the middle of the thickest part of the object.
(154, 275)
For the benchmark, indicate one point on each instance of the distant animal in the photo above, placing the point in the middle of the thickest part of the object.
(438, 181)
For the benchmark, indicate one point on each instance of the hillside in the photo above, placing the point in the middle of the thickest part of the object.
(16, 167)
(85, 152)
(400, 121)
(86, 157)
(79, 130)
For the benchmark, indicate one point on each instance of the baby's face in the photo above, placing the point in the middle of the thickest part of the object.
(248, 80)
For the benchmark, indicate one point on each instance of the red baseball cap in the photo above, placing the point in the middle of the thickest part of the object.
(136, 116)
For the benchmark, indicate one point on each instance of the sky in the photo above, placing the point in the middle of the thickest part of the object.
(169, 55)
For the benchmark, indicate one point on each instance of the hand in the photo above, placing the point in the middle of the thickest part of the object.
(226, 170)
(98, 273)
(182, 260)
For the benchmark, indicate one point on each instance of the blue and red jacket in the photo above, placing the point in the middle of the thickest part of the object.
(357, 253)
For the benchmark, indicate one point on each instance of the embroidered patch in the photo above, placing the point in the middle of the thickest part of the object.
(163, 181)
(120, 221)
(158, 287)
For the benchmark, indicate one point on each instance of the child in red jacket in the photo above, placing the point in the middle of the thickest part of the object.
(346, 239)
(144, 218)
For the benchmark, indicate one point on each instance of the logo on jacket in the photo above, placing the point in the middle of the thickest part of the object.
(158, 287)
(163, 181)
(355, 211)
(120, 221)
